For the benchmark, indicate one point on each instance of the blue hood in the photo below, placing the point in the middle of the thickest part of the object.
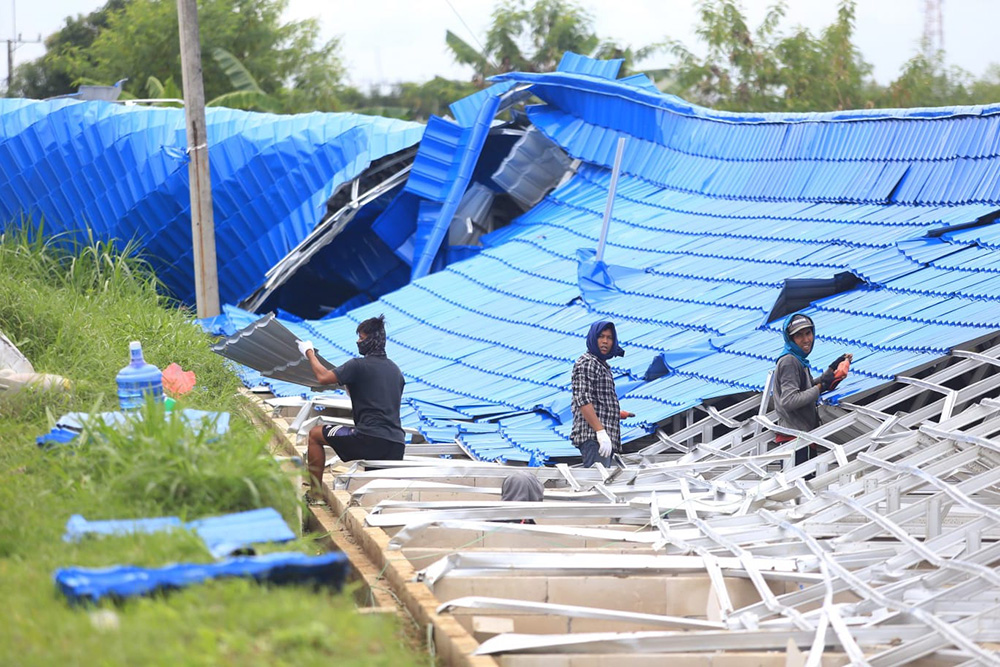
(790, 346)
(595, 330)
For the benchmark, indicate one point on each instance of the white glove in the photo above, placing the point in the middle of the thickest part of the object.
(603, 444)
(304, 346)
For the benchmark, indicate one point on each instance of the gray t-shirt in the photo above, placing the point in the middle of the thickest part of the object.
(376, 387)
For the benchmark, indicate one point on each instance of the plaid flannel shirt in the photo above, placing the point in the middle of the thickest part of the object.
(593, 383)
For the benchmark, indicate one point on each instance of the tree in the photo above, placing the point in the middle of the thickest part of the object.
(761, 70)
(138, 39)
(827, 72)
(534, 39)
(55, 72)
(741, 68)
(925, 81)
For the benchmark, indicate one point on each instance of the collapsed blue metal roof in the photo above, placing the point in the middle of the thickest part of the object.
(718, 217)
(122, 173)
(879, 223)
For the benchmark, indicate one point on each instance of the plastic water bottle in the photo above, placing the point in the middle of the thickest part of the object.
(137, 380)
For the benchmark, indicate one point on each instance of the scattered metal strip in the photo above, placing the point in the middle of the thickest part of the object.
(506, 513)
(684, 641)
(574, 563)
(575, 611)
(409, 532)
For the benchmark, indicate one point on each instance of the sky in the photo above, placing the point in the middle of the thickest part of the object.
(389, 41)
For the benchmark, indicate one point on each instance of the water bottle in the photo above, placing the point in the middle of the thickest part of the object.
(137, 380)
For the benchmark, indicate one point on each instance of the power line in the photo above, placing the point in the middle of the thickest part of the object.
(482, 48)
(14, 42)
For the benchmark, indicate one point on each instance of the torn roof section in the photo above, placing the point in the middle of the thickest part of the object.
(121, 171)
(716, 216)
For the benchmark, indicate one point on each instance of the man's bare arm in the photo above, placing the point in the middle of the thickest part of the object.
(587, 410)
(323, 374)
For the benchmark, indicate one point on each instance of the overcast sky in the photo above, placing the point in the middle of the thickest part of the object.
(403, 40)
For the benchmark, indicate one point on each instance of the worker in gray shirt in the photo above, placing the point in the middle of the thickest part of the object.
(796, 392)
(375, 385)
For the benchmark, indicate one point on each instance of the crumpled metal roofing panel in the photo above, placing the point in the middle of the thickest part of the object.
(121, 171)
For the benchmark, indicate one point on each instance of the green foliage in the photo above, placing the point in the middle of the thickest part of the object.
(164, 90)
(760, 69)
(246, 94)
(138, 39)
(56, 72)
(72, 310)
(528, 38)
(158, 463)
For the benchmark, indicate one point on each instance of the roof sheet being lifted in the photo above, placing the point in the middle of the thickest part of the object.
(717, 217)
(121, 171)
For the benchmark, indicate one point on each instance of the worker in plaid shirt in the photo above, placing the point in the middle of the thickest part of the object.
(596, 412)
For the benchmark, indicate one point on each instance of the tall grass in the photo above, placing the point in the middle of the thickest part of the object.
(72, 309)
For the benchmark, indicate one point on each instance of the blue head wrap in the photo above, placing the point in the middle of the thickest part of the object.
(790, 346)
(595, 331)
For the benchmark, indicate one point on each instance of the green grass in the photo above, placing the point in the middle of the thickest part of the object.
(72, 310)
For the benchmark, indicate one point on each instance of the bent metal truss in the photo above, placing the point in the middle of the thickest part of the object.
(710, 544)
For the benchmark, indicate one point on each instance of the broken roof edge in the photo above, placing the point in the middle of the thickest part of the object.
(677, 105)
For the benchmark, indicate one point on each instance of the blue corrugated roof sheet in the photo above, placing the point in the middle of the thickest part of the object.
(122, 172)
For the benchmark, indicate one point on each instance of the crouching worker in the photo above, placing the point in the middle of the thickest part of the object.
(796, 392)
(522, 487)
(596, 413)
(375, 386)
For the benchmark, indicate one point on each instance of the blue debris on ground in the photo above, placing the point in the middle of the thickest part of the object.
(81, 585)
(222, 535)
(69, 426)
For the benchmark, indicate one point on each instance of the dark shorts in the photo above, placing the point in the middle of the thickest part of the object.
(351, 445)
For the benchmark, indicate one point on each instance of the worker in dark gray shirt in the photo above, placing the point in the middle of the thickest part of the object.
(796, 392)
(375, 386)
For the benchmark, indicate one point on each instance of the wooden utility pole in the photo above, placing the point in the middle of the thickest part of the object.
(206, 280)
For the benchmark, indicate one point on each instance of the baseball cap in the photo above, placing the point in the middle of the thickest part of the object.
(798, 323)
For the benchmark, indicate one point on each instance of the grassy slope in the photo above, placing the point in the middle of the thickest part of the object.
(73, 314)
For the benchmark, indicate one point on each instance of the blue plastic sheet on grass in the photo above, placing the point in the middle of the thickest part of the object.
(71, 424)
(81, 584)
(77, 527)
(222, 535)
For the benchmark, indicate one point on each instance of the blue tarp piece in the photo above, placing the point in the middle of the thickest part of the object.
(222, 535)
(69, 426)
(77, 527)
(122, 172)
(81, 585)
(57, 436)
